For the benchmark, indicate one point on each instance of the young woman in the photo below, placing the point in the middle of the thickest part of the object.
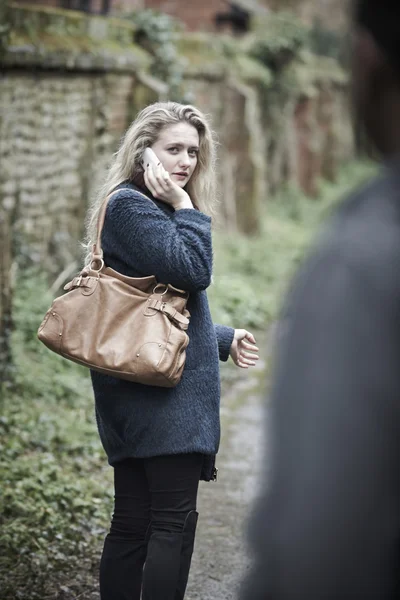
(162, 441)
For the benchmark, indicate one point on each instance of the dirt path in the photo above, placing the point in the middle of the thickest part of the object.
(220, 558)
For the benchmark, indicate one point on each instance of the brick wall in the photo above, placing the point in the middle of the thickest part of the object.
(200, 14)
(195, 14)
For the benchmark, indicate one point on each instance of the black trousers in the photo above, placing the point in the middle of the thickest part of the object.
(151, 540)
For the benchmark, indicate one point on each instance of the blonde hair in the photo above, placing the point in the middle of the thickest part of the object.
(144, 132)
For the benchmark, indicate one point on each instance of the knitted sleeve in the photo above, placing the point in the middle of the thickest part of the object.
(176, 247)
(225, 338)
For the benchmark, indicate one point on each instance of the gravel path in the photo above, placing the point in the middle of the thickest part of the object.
(220, 559)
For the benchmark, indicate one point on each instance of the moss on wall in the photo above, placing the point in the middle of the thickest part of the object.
(217, 57)
(51, 37)
(266, 75)
(204, 55)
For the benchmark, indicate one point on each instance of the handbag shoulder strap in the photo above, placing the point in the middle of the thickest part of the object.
(97, 251)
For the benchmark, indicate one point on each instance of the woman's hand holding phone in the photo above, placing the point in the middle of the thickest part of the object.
(160, 184)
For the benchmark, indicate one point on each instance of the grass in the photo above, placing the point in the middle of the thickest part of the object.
(56, 495)
(251, 275)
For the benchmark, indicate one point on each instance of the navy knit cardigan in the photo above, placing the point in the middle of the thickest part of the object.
(142, 237)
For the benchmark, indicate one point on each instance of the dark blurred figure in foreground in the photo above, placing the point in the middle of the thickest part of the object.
(328, 523)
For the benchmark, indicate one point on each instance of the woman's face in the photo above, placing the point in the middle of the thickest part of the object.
(177, 148)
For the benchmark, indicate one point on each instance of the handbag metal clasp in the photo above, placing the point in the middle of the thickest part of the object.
(100, 261)
(162, 285)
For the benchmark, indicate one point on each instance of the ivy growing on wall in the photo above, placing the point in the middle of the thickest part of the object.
(277, 39)
(157, 33)
(325, 42)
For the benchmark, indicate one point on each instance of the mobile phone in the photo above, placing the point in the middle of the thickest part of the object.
(149, 158)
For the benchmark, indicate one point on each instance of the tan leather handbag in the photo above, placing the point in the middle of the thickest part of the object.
(127, 327)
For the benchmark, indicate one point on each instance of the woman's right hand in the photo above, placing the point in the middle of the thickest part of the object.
(160, 184)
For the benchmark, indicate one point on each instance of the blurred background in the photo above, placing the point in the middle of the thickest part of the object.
(273, 76)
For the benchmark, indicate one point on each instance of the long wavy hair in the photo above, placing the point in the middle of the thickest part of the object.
(144, 132)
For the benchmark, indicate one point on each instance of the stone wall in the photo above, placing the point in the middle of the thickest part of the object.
(62, 114)
(292, 129)
(58, 133)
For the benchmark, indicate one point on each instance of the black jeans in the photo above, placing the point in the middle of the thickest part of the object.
(151, 540)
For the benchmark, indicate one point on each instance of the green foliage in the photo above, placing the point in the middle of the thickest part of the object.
(157, 33)
(251, 71)
(251, 274)
(54, 378)
(58, 36)
(276, 40)
(325, 42)
(55, 501)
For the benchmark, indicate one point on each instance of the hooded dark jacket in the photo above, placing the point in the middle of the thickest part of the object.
(327, 526)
